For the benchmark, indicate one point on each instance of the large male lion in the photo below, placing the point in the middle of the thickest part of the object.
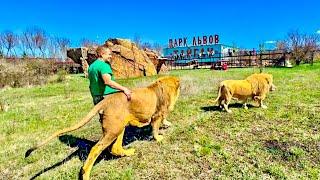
(147, 105)
(256, 87)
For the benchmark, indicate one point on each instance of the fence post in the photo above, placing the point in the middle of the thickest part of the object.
(261, 64)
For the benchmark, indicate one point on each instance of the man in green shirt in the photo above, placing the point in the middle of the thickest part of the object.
(101, 77)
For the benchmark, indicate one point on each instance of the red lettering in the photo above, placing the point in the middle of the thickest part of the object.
(204, 40)
(210, 39)
(189, 51)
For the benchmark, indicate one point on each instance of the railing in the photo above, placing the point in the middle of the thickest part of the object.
(233, 60)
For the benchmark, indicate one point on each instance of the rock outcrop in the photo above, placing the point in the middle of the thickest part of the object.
(127, 59)
(158, 63)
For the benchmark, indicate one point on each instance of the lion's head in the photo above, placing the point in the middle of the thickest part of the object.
(261, 83)
(168, 90)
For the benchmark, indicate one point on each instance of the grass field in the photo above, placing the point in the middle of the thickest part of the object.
(281, 142)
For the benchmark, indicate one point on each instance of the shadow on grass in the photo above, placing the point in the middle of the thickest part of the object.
(84, 146)
(217, 108)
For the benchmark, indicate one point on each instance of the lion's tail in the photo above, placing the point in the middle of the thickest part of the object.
(219, 94)
(80, 124)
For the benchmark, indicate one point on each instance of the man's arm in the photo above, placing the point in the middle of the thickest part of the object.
(108, 81)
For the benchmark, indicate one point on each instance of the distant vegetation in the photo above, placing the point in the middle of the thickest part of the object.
(300, 45)
(20, 73)
(33, 43)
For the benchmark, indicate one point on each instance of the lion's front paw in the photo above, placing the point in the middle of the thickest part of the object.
(264, 107)
(129, 152)
(83, 175)
(166, 123)
(122, 152)
(158, 138)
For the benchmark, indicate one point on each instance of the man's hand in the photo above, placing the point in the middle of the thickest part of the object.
(107, 81)
(127, 92)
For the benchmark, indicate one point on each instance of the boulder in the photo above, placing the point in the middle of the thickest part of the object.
(158, 63)
(127, 59)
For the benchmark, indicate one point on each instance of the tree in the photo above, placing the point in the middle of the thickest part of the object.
(53, 47)
(1, 47)
(9, 40)
(87, 42)
(137, 40)
(27, 41)
(63, 44)
(281, 45)
(158, 48)
(40, 40)
(301, 45)
(146, 45)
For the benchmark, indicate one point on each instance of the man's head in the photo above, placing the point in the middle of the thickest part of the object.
(104, 53)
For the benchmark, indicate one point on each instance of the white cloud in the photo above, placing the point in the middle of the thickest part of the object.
(318, 32)
(270, 42)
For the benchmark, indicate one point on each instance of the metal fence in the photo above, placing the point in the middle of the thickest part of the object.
(239, 59)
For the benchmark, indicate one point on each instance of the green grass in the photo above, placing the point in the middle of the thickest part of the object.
(281, 142)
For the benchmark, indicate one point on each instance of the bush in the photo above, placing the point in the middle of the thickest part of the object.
(19, 73)
(62, 75)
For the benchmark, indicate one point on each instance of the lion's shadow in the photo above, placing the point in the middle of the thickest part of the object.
(84, 146)
(217, 108)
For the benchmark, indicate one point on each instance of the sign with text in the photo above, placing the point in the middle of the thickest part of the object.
(196, 41)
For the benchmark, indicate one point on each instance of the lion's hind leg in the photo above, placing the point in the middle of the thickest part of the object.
(225, 98)
(225, 103)
(117, 148)
(96, 150)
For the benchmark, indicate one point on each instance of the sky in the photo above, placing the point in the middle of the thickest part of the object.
(244, 23)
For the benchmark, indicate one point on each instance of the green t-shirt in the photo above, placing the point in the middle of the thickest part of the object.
(95, 71)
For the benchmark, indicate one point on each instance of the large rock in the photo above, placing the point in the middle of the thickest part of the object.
(127, 59)
(158, 63)
(130, 61)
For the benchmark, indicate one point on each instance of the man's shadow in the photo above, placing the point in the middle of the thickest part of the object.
(217, 108)
(84, 146)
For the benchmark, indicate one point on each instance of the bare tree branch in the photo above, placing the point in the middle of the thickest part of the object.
(9, 41)
(27, 41)
(87, 42)
(301, 45)
(63, 44)
(40, 40)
